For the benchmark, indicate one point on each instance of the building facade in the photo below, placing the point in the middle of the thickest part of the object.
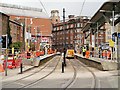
(16, 31)
(37, 31)
(36, 25)
(72, 36)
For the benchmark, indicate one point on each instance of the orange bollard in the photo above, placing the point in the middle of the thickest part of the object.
(1, 68)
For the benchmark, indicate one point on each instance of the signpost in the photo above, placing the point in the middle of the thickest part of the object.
(118, 51)
(4, 46)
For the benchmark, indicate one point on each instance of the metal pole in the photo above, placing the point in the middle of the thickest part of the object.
(6, 57)
(21, 65)
(97, 38)
(64, 36)
(112, 31)
(25, 31)
(62, 67)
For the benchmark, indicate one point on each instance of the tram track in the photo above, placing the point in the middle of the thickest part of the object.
(47, 65)
(34, 82)
(94, 86)
(73, 78)
(94, 83)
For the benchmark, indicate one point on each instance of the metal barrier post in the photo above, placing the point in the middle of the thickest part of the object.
(6, 62)
(21, 68)
(62, 67)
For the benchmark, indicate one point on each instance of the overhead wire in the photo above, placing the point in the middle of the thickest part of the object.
(43, 7)
(82, 7)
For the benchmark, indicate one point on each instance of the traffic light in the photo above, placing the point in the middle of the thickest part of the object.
(4, 41)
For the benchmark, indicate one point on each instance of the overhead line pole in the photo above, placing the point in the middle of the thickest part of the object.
(64, 35)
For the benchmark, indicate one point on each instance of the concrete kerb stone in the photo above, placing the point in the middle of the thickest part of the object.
(98, 63)
(28, 65)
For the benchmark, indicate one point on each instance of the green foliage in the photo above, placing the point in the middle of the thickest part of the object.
(16, 45)
(33, 47)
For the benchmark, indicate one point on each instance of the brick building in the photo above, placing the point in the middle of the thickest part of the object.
(16, 31)
(36, 24)
(72, 34)
(4, 23)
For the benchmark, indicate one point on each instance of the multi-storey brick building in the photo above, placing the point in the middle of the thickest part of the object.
(4, 23)
(36, 24)
(72, 35)
(16, 31)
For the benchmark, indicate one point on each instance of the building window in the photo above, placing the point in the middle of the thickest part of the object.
(57, 28)
(81, 24)
(71, 26)
(78, 24)
(61, 27)
(67, 26)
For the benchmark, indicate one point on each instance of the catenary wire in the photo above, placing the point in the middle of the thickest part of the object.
(82, 7)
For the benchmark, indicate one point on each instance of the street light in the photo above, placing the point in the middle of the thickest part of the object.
(64, 36)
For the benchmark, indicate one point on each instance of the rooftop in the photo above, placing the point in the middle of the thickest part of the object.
(10, 9)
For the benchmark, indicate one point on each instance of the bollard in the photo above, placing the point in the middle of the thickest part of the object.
(62, 67)
(21, 68)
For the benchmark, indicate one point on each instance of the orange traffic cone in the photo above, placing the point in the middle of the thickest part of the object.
(1, 68)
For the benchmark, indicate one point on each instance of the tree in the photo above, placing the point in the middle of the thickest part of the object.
(16, 45)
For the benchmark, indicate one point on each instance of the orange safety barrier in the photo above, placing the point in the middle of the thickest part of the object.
(108, 54)
(87, 54)
(1, 68)
(37, 53)
(11, 63)
(50, 51)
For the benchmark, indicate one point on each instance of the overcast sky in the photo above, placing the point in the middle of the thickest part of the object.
(72, 7)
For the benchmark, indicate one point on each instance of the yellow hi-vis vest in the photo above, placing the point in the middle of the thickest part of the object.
(84, 50)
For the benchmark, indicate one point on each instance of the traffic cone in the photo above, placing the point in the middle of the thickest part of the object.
(1, 68)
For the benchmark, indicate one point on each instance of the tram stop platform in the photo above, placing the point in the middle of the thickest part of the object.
(99, 63)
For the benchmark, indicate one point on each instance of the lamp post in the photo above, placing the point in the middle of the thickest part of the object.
(64, 36)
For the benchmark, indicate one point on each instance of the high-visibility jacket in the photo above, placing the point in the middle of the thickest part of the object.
(87, 54)
(108, 54)
(83, 50)
(103, 53)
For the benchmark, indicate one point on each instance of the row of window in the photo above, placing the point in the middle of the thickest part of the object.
(61, 43)
(78, 25)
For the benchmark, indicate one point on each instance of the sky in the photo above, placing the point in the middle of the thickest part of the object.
(72, 7)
